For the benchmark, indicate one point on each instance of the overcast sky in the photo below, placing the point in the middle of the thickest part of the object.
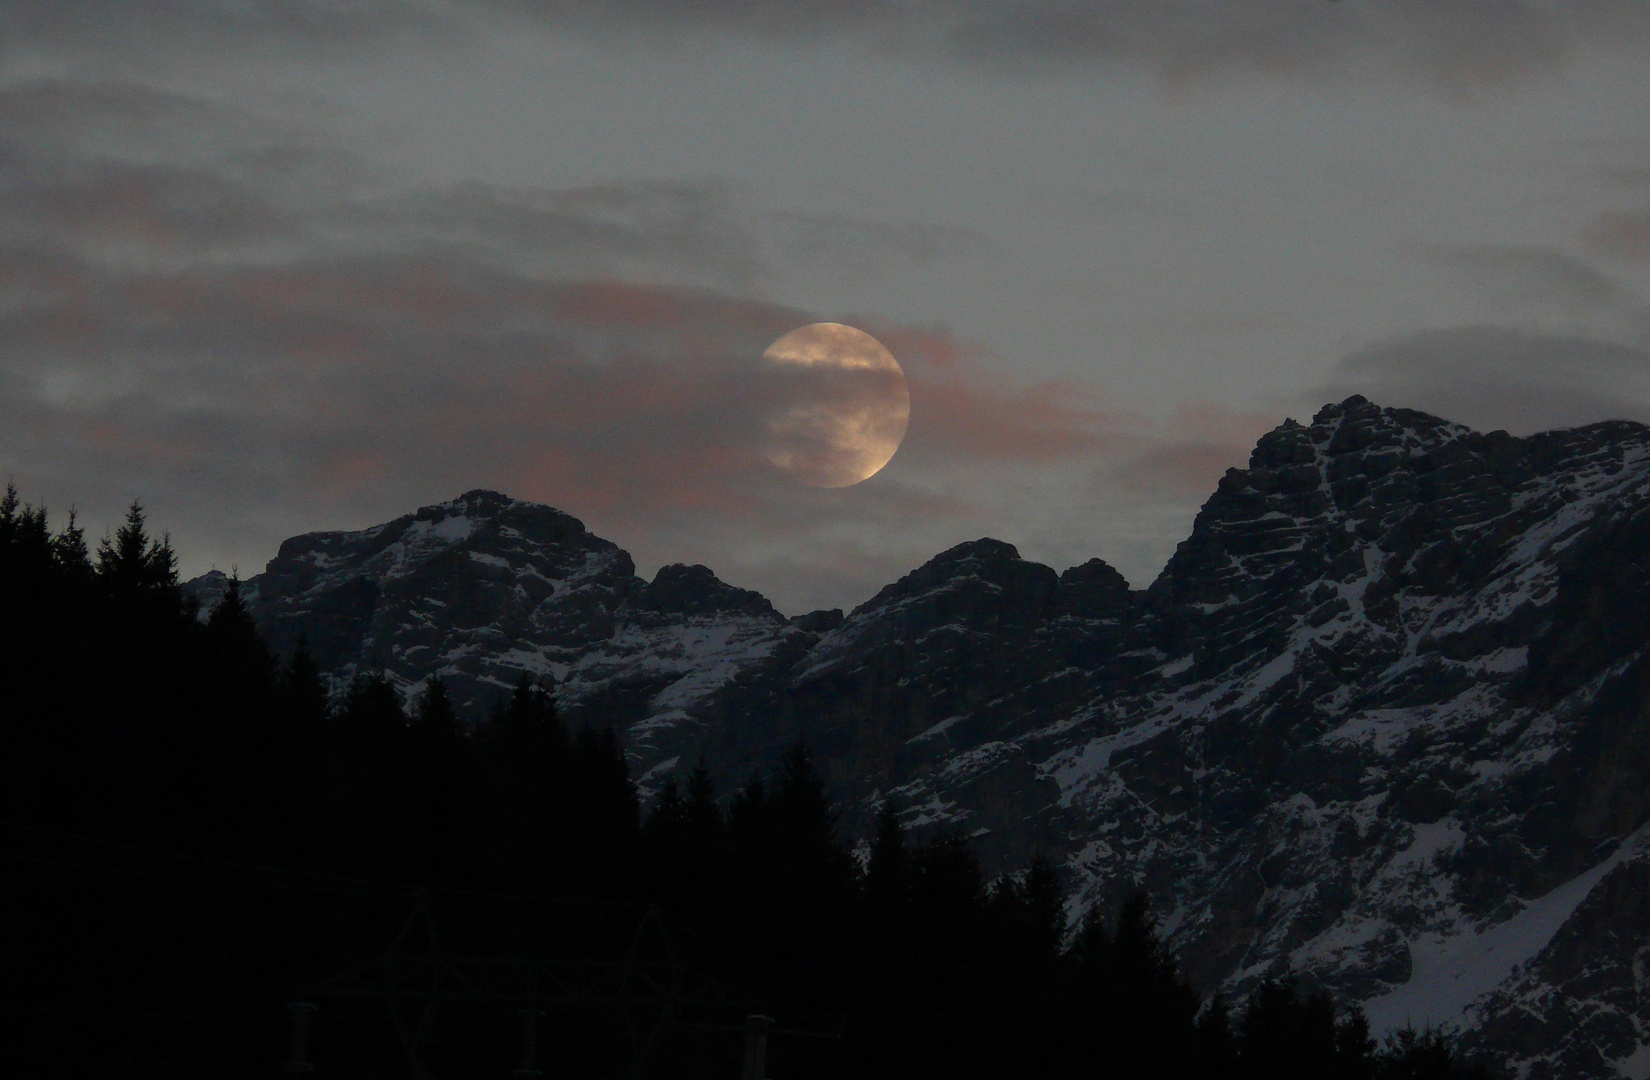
(274, 267)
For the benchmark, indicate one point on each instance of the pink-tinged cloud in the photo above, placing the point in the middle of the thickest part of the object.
(1188, 456)
(1219, 425)
(918, 347)
(351, 472)
(1046, 421)
(1180, 469)
(1622, 235)
(356, 378)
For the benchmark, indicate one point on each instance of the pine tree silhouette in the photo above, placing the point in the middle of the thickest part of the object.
(134, 563)
(433, 711)
(888, 864)
(241, 663)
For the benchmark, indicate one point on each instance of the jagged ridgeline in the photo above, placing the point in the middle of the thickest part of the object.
(1384, 700)
(1377, 724)
(213, 868)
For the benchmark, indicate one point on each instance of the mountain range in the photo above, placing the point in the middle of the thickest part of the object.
(1382, 722)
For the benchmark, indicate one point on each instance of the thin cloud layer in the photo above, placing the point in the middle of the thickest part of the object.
(1624, 234)
(1549, 289)
(857, 247)
(209, 298)
(955, 418)
(1201, 441)
(1457, 45)
(1565, 344)
(1490, 378)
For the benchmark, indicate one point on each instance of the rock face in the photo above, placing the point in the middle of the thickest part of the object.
(482, 589)
(1382, 721)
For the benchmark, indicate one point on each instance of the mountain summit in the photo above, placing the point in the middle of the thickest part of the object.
(484, 589)
(1380, 722)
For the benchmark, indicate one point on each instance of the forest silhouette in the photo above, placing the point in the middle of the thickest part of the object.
(214, 866)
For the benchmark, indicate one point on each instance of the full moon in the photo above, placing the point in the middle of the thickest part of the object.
(836, 405)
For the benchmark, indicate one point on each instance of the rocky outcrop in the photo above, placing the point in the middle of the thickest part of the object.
(483, 589)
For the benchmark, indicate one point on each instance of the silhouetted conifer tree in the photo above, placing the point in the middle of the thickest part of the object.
(1422, 1055)
(888, 864)
(303, 697)
(134, 563)
(241, 664)
(525, 749)
(606, 821)
(371, 709)
(433, 711)
(70, 554)
(1285, 1036)
(1216, 1041)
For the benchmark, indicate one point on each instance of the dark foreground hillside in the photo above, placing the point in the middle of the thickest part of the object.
(203, 853)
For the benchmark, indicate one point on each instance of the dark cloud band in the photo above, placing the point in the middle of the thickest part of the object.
(1454, 44)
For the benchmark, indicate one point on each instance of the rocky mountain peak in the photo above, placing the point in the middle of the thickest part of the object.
(208, 589)
(1357, 424)
(1093, 590)
(1323, 518)
(983, 584)
(679, 589)
(483, 588)
(478, 502)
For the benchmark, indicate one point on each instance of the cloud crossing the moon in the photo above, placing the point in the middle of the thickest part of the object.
(836, 405)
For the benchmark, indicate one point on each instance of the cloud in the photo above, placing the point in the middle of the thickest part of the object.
(857, 247)
(1457, 45)
(111, 171)
(1187, 457)
(1186, 469)
(1460, 46)
(957, 419)
(1492, 377)
(1548, 289)
(187, 27)
(115, 170)
(660, 230)
(1563, 343)
(230, 318)
(1519, 275)
(605, 395)
(1624, 234)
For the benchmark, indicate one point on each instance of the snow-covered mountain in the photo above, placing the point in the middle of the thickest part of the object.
(485, 588)
(1382, 721)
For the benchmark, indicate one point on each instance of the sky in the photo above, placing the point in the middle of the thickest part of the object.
(275, 267)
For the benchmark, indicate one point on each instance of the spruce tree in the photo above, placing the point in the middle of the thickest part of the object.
(371, 707)
(133, 562)
(69, 551)
(241, 662)
(888, 867)
(433, 711)
(303, 697)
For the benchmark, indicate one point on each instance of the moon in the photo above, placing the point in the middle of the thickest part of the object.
(836, 405)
